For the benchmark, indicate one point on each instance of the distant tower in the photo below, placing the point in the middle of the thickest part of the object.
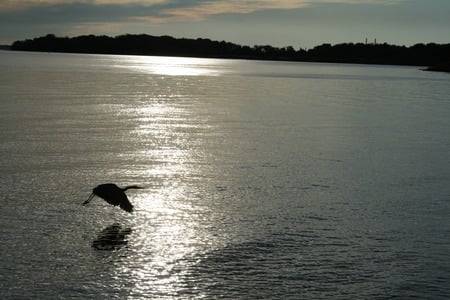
(366, 41)
(375, 42)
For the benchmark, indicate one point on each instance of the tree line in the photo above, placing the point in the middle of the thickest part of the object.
(143, 44)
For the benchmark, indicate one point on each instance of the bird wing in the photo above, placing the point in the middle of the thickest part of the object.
(114, 195)
(126, 205)
(119, 198)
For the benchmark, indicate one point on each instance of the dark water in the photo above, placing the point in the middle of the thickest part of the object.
(263, 180)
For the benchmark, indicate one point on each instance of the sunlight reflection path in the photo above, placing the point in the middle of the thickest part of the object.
(171, 66)
(167, 225)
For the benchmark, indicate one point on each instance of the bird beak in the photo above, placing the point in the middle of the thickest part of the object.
(89, 199)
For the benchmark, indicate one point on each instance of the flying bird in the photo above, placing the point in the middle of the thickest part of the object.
(114, 195)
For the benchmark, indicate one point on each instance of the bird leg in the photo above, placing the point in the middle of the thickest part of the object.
(89, 199)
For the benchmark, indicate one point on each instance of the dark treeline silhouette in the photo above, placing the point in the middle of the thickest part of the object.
(419, 54)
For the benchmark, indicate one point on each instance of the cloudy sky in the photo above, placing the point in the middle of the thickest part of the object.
(298, 23)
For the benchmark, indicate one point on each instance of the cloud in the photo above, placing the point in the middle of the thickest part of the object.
(280, 22)
(116, 16)
(160, 11)
(198, 10)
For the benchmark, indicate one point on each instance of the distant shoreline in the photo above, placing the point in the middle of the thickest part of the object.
(444, 67)
(434, 56)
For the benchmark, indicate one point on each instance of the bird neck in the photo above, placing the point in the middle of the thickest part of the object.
(131, 187)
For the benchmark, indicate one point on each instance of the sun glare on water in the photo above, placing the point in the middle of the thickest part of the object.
(171, 66)
(167, 230)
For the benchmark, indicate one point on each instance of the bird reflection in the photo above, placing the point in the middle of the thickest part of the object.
(112, 237)
(113, 194)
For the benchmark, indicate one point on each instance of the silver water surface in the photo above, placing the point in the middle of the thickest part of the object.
(265, 180)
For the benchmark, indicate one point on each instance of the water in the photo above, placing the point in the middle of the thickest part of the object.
(263, 180)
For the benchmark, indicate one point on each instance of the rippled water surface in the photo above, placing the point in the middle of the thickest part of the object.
(264, 180)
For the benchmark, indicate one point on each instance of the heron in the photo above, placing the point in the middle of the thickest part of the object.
(114, 195)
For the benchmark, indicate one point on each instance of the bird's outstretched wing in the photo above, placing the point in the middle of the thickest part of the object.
(118, 197)
(126, 205)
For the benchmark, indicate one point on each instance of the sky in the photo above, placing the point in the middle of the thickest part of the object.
(298, 23)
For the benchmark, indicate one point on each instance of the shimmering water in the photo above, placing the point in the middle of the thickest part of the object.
(263, 180)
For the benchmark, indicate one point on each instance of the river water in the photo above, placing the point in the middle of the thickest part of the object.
(262, 180)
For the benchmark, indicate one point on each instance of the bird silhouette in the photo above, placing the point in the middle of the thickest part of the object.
(114, 195)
